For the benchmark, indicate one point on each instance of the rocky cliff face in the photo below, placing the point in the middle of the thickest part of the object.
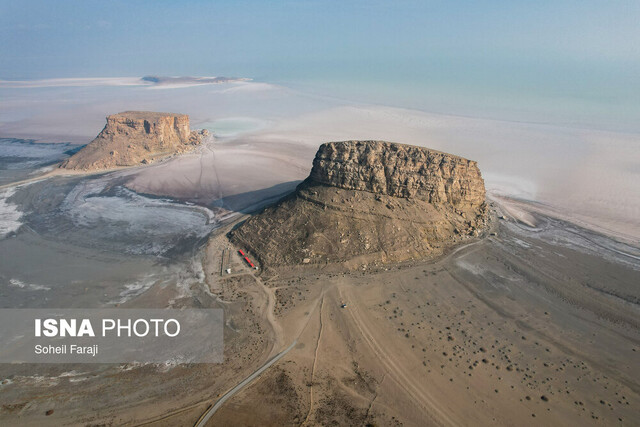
(370, 202)
(136, 137)
(399, 170)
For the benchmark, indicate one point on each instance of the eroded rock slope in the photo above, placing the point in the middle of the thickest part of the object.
(369, 202)
(136, 137)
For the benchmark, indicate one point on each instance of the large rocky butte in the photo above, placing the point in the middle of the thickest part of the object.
(368, 202)
(136, 137)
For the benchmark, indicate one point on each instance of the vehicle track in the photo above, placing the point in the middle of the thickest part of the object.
(313, 367)
(212, 410)
(404, 379)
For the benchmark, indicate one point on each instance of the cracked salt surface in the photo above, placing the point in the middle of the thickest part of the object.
(143, 225)
(10, 215)
(80, 227)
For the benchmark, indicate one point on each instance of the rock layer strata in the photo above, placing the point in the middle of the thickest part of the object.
(136, 137)
(399, 170)
(370, 202)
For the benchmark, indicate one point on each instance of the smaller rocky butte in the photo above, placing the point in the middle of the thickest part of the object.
(370, 202)
(136, 137)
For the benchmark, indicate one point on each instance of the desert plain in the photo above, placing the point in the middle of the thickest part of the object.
(533, 321)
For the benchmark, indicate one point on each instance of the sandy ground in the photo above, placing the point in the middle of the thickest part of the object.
(537, 324)
(508, 330)
(533, 325)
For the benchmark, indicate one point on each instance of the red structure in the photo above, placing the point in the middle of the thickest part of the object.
(246, 258)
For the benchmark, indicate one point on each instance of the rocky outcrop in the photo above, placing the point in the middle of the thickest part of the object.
(136, 137)
(399, 170)
(370, 202)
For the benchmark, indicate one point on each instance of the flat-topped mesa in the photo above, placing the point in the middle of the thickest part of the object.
(370, 202)
(136, 137)
(399, 170)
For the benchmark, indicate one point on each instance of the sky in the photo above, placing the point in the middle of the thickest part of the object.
(569, 61)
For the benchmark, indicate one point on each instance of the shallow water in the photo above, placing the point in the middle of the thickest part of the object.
(20, 158)
(87, 241)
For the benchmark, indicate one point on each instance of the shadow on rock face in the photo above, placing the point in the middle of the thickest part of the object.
(370, 201)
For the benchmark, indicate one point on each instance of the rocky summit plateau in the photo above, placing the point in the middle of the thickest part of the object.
(136, 137)
(370, 201)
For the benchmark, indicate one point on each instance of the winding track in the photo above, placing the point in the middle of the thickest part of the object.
(212, 410)
(414, 389)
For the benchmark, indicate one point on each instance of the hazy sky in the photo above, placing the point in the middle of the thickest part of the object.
(583, 51)
(113, 38)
